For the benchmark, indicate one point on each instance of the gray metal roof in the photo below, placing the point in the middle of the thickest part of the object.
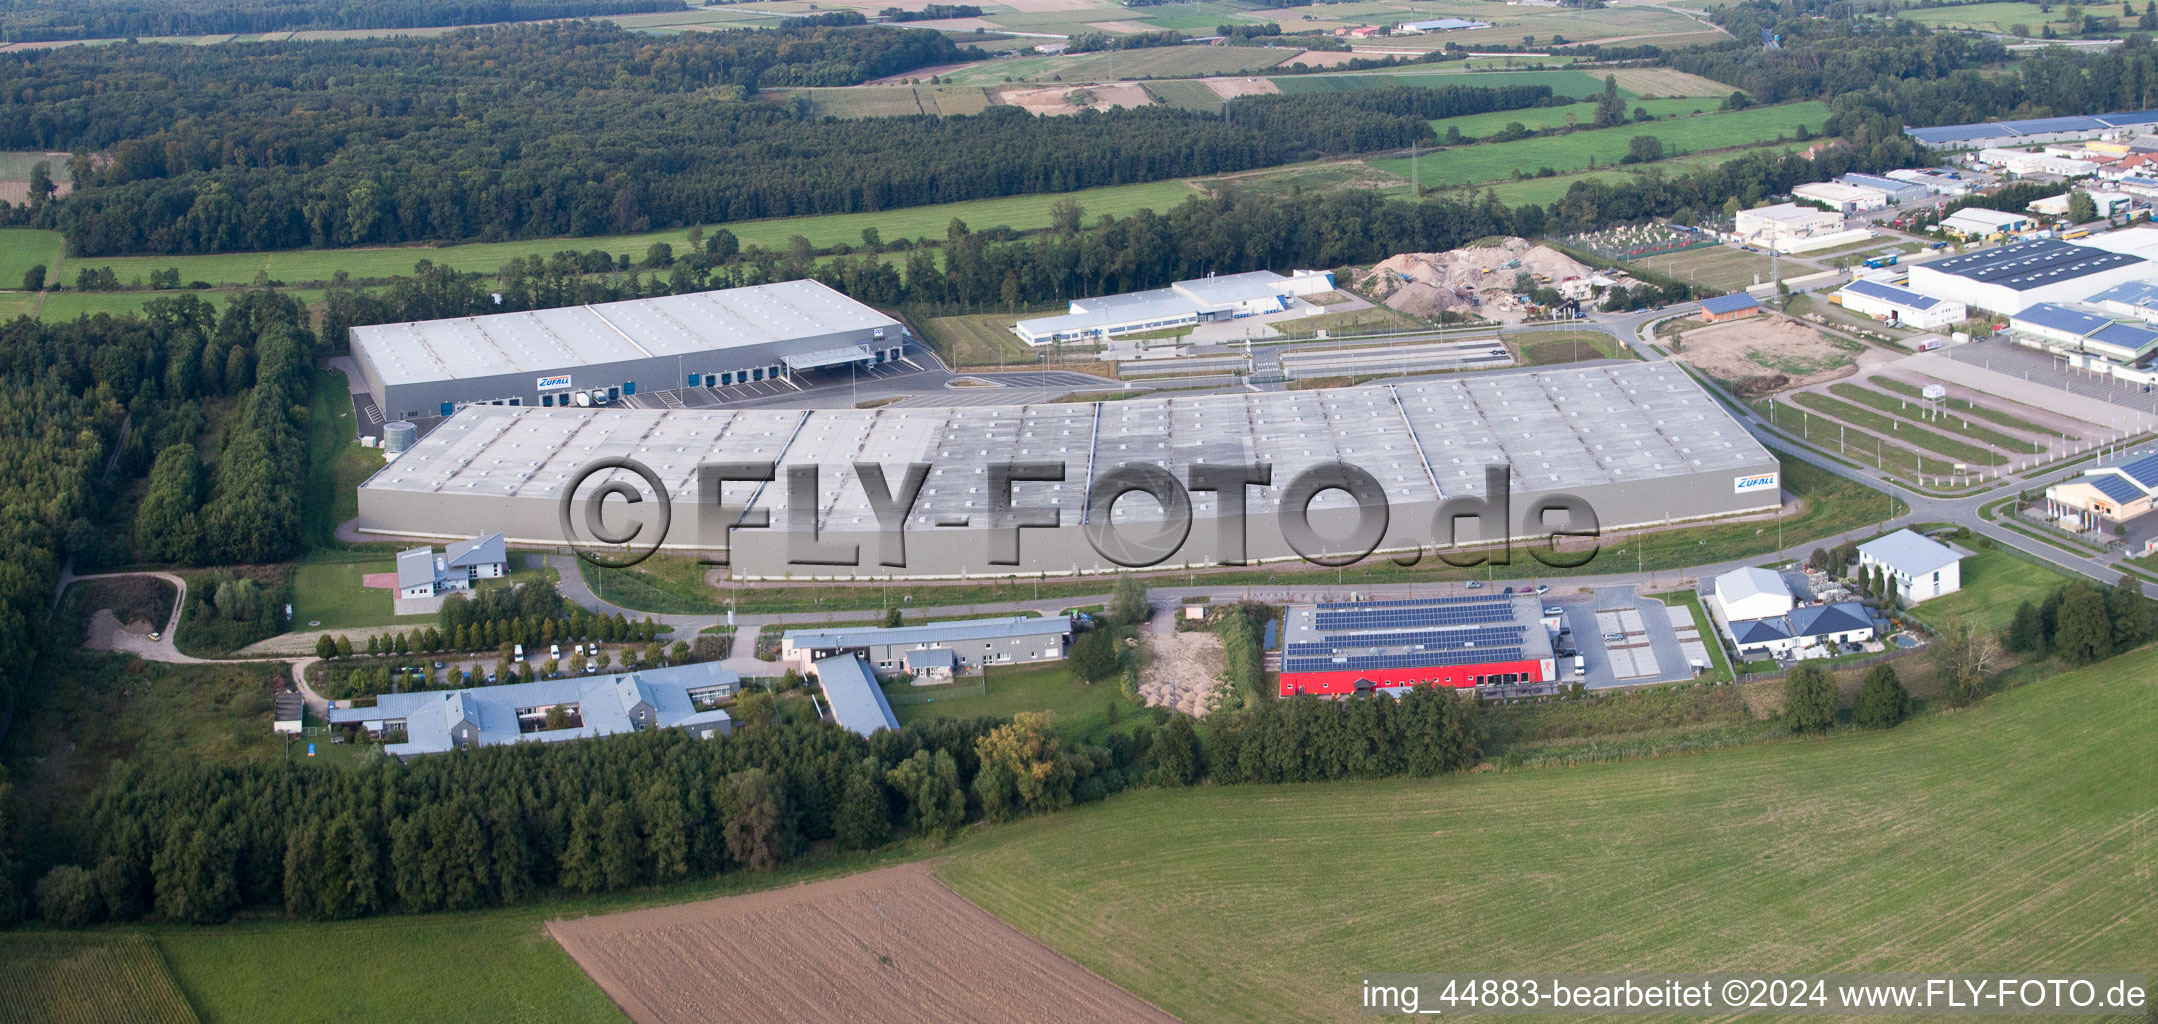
(1575, 427)
(2026, 265)
(929, 633)
(415, 568)
(1954, 133)
(545, 340)
(604, 703)
(1909, 554)
(486, 550)
(1731, 303)
(851, 689)
(1890, 293)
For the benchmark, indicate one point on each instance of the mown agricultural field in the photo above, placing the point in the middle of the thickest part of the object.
(1545, 191)
(1562, 83)
(86, 979)
(1465, 165)
(23, 248)
(1483, 126)
(1996, 17)
(1921, 848)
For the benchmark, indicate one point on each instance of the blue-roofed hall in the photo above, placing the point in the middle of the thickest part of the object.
(1887, 302)
(2118, 491)
(683, 697)
(2008, 279)
(1729, 307)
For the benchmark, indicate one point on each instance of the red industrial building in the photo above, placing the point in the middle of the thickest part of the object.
(1359, 647)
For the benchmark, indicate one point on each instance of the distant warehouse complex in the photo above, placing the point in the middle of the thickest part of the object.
(581, 355)
(1186, 302)
(1640, 443)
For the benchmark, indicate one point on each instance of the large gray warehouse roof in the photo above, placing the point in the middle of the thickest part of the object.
(1555, 429)
(545, 340)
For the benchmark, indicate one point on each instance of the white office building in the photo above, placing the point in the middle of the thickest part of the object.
(1919, 566)
(1887, 302)
(1785, 221)
(1841, 197)
(1185, 302)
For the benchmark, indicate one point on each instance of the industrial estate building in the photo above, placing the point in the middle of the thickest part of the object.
(1786, 222)
(2069, 329)
(1735, 306)
(2106, 494)
(1979, 222)
(2011, 278)
(1640, 443)
(583, 355)
(967, 645)
(2033, 131)
(851, 692)
(1919, 567)
(1201, 300)
(1383, 646)
(438, 721)
(1888, 302)
(1840, 197)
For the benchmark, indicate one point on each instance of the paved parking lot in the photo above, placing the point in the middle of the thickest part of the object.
(2048, 369)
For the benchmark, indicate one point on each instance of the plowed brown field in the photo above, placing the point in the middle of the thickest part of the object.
(886, 945)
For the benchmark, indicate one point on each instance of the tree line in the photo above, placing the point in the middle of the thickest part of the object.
(552, 130)
(117, 19)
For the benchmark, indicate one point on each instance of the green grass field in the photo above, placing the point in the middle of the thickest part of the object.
(298, 265)
(666, 584)
(1997, 17)
(891, 100)
(1477, 126)
(1081, 710)
(1113, 66)
(1923, 848)
(1464, 165)
(1725, 267)
(1545, 191)
(87, 978)
(981, 339)
(336, 464)
(1995, 581)
(23, 248)
(1563, 83)
(1964, 405)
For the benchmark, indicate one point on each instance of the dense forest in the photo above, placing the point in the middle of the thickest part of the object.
(94, 404)
(584, 129)
(44, 20)
(503, 825)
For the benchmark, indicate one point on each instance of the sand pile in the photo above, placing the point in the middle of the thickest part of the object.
(1476, 278)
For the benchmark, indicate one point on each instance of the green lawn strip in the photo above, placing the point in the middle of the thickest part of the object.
(1910, 433)
(1995, 580)
(23, 248)
(1950, 421)
(336, 464)
(2018, 802)
(1547, 190)
(1480, 126)
(1964, 405)
(665, 584)
(1491, 162)
(2071, 547)
(1081, 710)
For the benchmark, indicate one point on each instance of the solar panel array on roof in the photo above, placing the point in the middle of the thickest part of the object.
(1418, 638)
(2114, 486)
(1415, 614)
(1414, 659)
(2025, 265)
(1415, 633)
(2143, 471)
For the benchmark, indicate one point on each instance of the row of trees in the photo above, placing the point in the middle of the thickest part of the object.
(113, 19)
(2083, 623)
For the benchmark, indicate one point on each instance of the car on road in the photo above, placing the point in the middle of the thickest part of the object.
(1542, 589)
(155, 635)
(1475, 584)
(1499, 352)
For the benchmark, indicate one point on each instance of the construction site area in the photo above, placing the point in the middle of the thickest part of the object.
(1492, 280)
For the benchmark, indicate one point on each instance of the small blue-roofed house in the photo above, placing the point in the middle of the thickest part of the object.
(1729, 307)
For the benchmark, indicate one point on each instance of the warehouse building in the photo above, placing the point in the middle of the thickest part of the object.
(2034, 131)
(1888, 302)
(2136, 300)
(1898, 192)
(682, 697)
(968, 644)
(585, 355)
(1840, 197)
(1640, 443)
(2068, 329)
(1935, 182)
(1343, 649)
(2107, 204)
(1201, 300)
(857, 703)
(1979, 222)
(1752, 593)
(2013, 277)
(1784, 222)
(1735, 306)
